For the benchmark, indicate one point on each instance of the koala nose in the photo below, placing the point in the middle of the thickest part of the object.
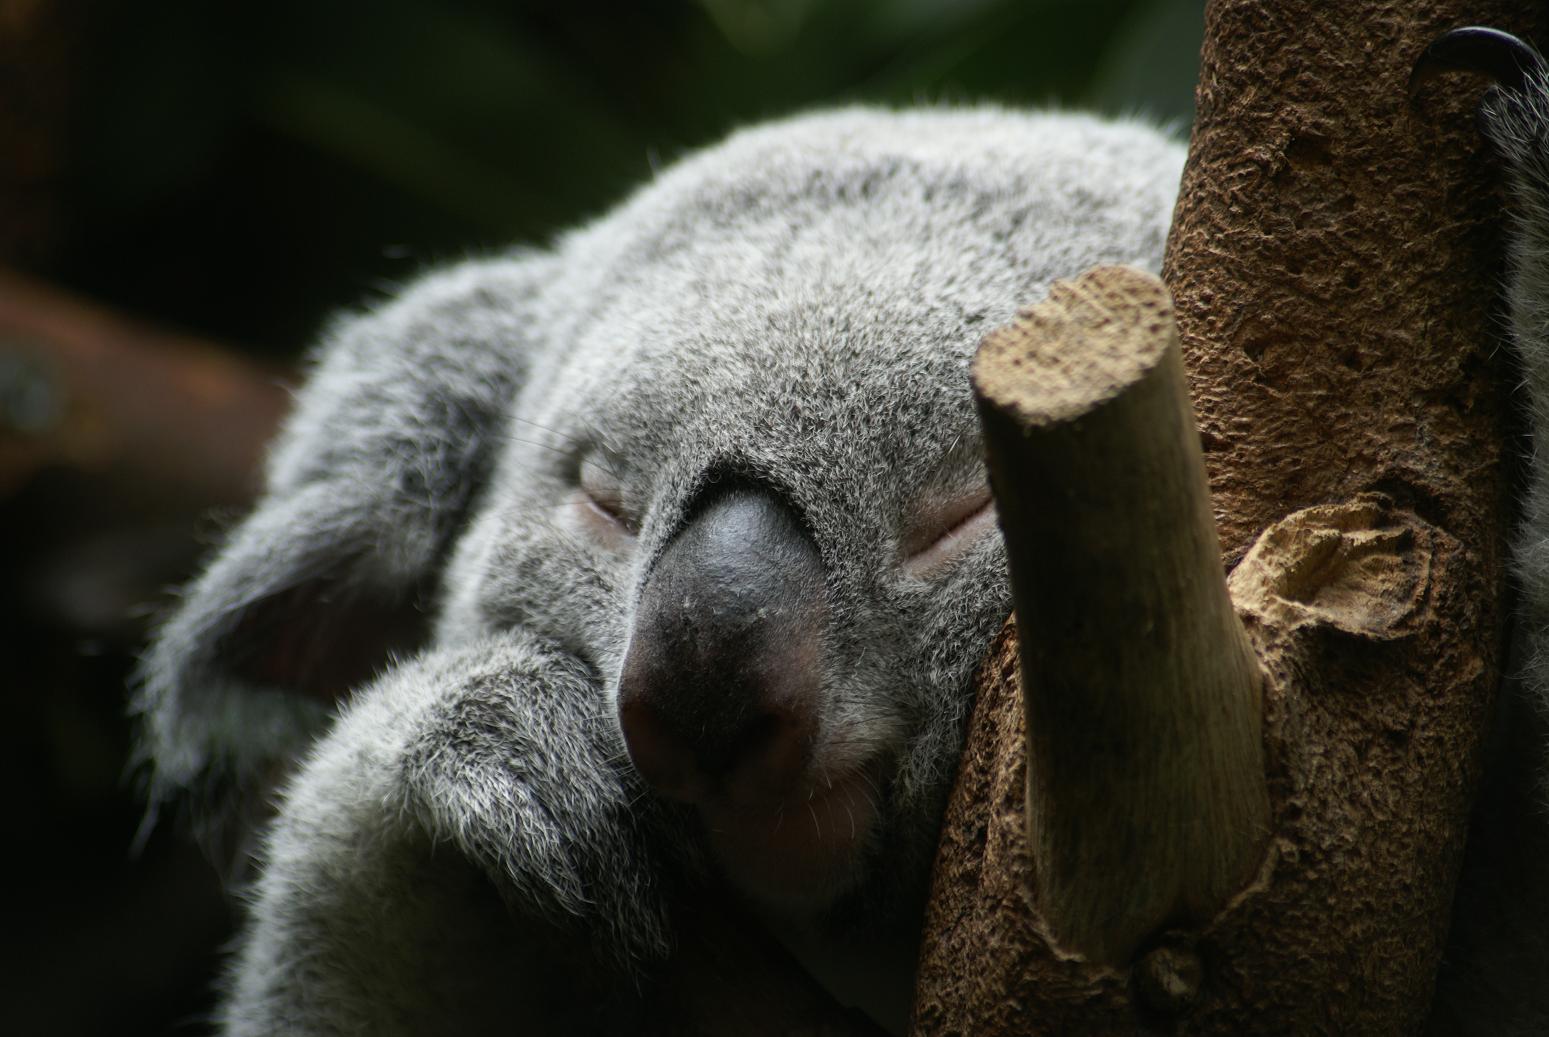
(718, 691)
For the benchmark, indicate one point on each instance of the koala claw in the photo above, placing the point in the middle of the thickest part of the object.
(1507, 60)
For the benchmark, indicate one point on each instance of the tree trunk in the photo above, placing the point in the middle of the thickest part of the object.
(1334, 262)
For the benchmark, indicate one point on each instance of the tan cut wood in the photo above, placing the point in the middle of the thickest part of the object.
(1146, 793)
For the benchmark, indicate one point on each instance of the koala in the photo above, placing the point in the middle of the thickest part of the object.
(655, 561)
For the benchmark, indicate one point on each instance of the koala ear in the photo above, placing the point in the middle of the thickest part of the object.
(367, 487)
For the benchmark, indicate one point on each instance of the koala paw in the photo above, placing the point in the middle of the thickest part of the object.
(518, 768)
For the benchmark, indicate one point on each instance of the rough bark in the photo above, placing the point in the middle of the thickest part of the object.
(1146, 794)
(1334, 260)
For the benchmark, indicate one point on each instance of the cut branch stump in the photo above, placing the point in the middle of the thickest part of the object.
(1146, 793)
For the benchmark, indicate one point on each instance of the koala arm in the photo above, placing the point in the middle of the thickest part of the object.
(459, 852)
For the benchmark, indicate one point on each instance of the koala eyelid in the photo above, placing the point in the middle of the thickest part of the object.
(612, 513)
(602, 495)
(947, 529)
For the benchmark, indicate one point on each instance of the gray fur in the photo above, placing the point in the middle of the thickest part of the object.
(365, 490)
(1495, 977)
(798, 305)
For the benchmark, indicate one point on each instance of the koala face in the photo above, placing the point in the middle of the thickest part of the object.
(877, 465)
(792, 332)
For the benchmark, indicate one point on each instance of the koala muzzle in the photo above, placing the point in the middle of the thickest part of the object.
(719, 688)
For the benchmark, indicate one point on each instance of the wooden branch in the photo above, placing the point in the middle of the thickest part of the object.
(111, 396)
(1333, 261)
(1146, 794)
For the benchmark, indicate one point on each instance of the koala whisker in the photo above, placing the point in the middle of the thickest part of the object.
(562, 450)
(567, 441)
(606, 456)
(618, 759)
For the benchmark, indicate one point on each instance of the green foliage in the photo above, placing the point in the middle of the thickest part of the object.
(244, 168)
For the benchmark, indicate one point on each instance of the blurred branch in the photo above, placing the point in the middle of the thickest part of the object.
(89, 389)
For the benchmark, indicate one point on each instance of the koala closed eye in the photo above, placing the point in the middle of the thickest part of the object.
(945, 529)
(599, 503)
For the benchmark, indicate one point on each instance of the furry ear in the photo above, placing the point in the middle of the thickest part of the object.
(367, 487)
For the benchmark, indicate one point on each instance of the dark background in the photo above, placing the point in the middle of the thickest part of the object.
(189, 187)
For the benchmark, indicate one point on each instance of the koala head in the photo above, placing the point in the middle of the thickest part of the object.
(720, 446)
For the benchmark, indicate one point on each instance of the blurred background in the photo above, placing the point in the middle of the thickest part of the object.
(189, 189)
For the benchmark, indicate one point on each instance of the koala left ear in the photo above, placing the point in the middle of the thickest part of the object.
(368, 485)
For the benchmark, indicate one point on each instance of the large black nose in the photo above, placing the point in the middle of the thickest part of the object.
(718, 692)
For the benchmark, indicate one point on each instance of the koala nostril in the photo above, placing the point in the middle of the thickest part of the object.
(662, 758)
(762, 759)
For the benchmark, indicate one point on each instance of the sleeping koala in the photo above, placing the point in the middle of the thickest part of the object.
(658, 559)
